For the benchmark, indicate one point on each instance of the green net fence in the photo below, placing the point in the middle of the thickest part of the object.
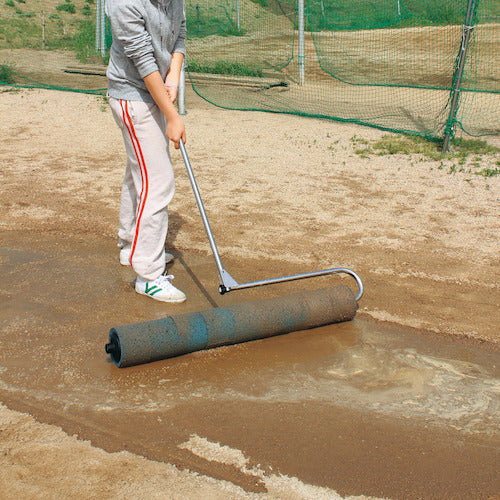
(426, 67)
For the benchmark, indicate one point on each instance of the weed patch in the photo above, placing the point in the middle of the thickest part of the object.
(7, 74)
(465, 155)
(66, 7)
(406, 145)
(224, 68)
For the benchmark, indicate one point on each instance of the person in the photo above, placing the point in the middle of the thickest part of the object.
(143, 73)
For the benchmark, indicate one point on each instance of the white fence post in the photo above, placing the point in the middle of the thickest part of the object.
(302, 71)
(100, 28)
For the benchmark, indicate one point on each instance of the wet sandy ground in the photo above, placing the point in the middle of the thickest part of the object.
(402, 402)
(358, 408)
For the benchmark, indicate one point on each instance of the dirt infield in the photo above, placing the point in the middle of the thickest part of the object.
(277, 187)
(284, 194)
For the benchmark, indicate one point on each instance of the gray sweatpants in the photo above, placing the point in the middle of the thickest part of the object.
(148, 186)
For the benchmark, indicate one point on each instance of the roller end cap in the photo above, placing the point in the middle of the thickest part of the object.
(113, 348)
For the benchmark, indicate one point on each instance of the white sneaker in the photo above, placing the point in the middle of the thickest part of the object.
(125, 256)
(160, 289)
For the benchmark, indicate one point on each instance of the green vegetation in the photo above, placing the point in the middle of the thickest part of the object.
(279, 7)
(398, 144)
(205, 21)
(67, 7)
(10, 3)
(488, 172)
(7, 73)
(224, 68)
(61, 31)
(401, 144)
(104, 103)
(232, 30)
(465, 155)
(473, 146)
(83, 42)
(19, 32)
(368, 14)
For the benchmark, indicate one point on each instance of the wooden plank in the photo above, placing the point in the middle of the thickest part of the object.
(250, 82)
(237, 81)
(86, 70)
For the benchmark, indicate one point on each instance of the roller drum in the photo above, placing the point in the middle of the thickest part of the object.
(183, 333)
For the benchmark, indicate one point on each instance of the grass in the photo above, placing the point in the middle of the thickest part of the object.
(19, 32)
(204, 21)
(60, 18)
(224, 68)
(488, 172)
(465, 155)
(7, 74)
(474, 146)
(346, 15)
(83, 43)
(104, 103)
(368, 14)
(389, 144)
(67, 7)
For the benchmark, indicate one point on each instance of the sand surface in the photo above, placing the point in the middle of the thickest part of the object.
(424, 239)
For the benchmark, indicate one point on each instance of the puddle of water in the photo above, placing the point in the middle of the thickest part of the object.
(357, 365)
(378, 375)
(52, 346)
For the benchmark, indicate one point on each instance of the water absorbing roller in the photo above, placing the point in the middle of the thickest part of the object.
(188, 332)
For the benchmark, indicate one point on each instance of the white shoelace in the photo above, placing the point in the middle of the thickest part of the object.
(165, 278)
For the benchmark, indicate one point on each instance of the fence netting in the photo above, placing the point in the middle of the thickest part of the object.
(392, 64)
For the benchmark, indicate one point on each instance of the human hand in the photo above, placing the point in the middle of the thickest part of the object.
(172, 90)
(176, 130)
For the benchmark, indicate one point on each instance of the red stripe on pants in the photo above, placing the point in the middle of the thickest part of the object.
(127, 120)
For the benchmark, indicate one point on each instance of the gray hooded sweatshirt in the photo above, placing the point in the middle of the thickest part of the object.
(145, 34)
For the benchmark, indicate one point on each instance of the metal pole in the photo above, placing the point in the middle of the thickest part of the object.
(100, 28)
(103, 30)
(466, 31)
(43, 30)
(301, 44)
(238, 14)
(181, 96)
(203, 214)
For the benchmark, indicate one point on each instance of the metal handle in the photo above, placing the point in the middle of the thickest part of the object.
(227, 282)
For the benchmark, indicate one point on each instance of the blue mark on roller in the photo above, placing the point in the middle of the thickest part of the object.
(197, 332)
(181, 334)
(294, 318)
(220, 327)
